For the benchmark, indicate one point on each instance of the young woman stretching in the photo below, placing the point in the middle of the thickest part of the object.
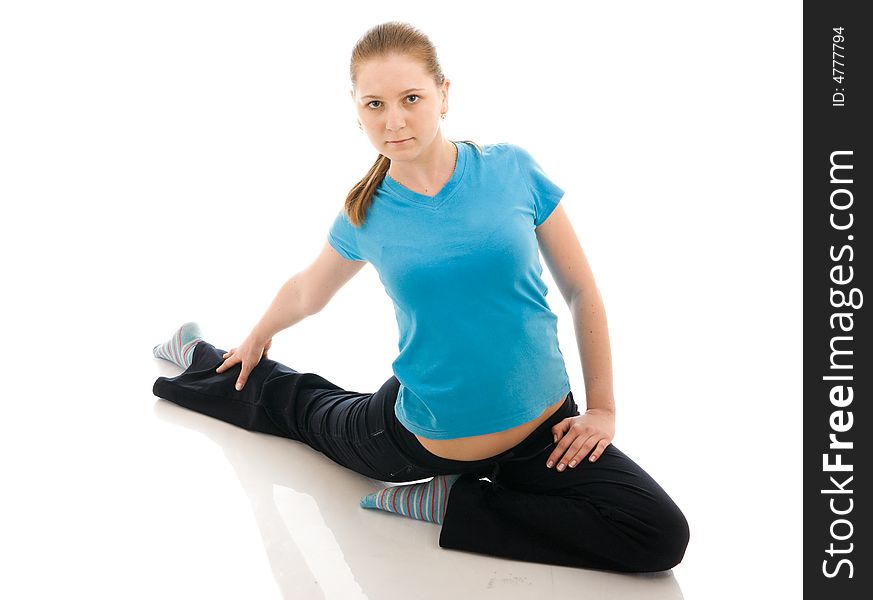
(479, 399)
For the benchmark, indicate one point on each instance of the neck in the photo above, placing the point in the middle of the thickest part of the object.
(427, 173)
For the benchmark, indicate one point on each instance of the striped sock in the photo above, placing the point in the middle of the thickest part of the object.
(179, 349)
(423, 501)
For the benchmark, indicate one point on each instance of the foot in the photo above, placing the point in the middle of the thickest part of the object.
(423, 501)
(179, 349)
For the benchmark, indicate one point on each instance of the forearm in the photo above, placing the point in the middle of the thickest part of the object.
(287, 308)
(592, 338)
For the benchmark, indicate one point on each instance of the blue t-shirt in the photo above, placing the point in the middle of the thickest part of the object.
(478, 342)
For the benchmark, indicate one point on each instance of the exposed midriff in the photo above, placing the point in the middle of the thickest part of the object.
(478, 447)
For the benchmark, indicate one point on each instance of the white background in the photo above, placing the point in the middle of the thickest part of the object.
(171, 161)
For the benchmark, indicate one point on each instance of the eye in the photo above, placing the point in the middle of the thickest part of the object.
(416, 96)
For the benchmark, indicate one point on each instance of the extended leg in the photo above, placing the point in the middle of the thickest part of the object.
(347, 427)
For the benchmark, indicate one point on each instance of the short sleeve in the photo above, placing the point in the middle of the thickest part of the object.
(545, 193)
(344, 237)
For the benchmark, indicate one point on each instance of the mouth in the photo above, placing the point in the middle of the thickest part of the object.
(399, 141)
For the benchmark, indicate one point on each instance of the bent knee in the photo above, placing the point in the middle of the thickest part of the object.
(666, 547)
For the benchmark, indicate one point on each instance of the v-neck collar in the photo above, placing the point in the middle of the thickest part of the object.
(446, 192)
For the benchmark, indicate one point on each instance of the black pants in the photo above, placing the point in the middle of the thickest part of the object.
(609, 514)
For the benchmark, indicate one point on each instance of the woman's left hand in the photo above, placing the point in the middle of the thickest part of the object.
(577, 436)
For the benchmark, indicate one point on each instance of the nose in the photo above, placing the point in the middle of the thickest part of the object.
(395, 120)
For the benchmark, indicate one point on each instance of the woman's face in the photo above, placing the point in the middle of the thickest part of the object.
(397, 100)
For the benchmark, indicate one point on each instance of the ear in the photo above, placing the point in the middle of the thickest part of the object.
(445, 94)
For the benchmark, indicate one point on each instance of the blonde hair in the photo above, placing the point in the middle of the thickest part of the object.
(393, 37)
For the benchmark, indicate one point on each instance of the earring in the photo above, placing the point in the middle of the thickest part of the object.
(361, 127)
(442, 115)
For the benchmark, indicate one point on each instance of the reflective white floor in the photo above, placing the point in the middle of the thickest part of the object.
(319, 544)
(111, 492)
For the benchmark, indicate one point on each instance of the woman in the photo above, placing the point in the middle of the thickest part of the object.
(480, 388)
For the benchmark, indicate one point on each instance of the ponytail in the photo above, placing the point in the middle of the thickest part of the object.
(361, 195)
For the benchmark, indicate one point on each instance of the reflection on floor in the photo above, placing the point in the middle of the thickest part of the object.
(321, 544)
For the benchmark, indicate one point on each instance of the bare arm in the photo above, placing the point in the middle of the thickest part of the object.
(307, 292)
(569, 267)
(592, 431)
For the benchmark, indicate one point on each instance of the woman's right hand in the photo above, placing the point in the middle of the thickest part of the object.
(249, 353)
